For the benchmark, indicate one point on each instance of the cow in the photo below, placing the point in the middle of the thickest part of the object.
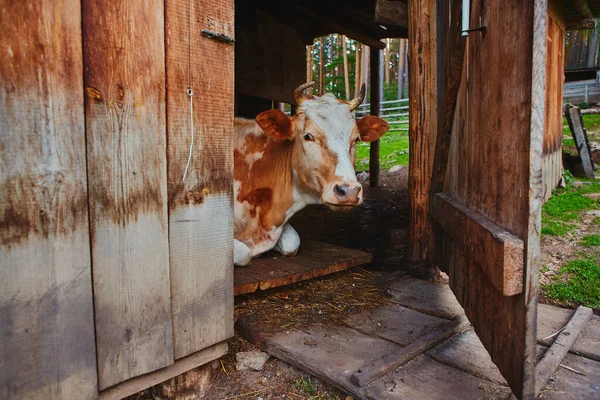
(282, 164)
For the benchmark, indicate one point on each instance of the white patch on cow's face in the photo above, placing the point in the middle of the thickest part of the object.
(252, 157)
(329, 159)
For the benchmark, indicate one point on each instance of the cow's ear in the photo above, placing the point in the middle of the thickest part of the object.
(275, 124)
(371, 128)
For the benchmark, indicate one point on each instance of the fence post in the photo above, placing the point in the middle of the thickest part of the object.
(586, 93)
(376, 95)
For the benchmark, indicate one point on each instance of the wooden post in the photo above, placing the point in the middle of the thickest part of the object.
(401, 67)
(309, 63)
(386, 67)
(376, 95)
(420, 115)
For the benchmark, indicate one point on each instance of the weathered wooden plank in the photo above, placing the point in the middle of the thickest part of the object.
(553, 319)
(466, 353)
(497, 174)
(391, 13)
(376, 369)
(46, 310)
(126, 154)
(200, 208)
(569, 385)
(430, 298)
(395, 323)
(180, 366)
(559, 349)
(314, 259)
(498, 253)
(426, 379)
(575, 121)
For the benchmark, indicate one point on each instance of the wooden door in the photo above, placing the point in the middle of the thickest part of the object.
(486, 180)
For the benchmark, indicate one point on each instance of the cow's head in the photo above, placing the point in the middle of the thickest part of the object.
(324, 133)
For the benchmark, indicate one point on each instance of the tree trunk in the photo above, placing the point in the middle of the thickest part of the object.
(309, 63)
(346, 72)
(321, 77)
(401, 68)
(358, 71)
(386, 65)
(365, 66)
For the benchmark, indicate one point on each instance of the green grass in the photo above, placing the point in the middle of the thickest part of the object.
(569, 142)
(577, 283)
(591, 240)
(555, 228)
(393, 150)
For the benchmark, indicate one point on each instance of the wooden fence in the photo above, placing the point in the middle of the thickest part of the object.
(395, 112)
(577, 93)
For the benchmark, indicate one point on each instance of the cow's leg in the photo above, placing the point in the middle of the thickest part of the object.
(288, 242)
(241, 253)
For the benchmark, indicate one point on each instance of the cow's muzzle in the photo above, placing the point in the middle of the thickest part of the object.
(346, 194)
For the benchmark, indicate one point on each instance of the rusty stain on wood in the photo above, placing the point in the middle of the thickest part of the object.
(46, 310)
(201, 208)
(126, 148)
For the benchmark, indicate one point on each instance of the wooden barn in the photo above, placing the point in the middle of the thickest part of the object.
(116, 273)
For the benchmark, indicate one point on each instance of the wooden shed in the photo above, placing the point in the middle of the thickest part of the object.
(116, 273)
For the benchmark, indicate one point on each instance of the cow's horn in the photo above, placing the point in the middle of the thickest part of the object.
(354, 103)
(299, 92)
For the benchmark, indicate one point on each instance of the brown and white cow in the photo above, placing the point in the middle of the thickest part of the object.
(283, 164)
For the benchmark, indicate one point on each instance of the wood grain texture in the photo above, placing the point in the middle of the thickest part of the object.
(126, 148)
(559, 349)
(314, 259)
(181, 366)
(495, 171)
(571, 386)
(376, 369)
(579, 133)
(553, 121)
(46, 313)
(201, 208)
(420, 124)
(498, 253)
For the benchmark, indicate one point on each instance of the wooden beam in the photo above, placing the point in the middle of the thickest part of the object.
(420, 121)
(181, 366)
(453, 61)
(359, 33)
(498, 253)
(380, 367)
(579, 133)
(582, 24)
(376, 95)
(559, 349)
(391, 13)
(583, 8)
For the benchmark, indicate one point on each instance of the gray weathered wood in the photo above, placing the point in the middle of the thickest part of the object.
(200, 209)
(551, 319)
(395, 323)
(498, 253)
(569, 385)
(180, 366)
(427, 297)
(466, 353)
(376, 87)
(46, 310)
(559, 349)
(376, 369)
(581, 142)
(126, 148)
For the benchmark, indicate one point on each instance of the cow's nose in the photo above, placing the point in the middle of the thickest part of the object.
(346, 191)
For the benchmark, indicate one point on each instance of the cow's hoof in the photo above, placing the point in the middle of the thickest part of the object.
(289, 242)
(242, 255)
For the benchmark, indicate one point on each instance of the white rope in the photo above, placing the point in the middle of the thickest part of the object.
(191, 94)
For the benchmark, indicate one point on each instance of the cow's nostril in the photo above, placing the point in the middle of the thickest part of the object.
(340, 190)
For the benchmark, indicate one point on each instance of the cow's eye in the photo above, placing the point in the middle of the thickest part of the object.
(309, 138)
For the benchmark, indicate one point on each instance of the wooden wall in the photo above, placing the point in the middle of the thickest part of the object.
(553, 123)
(106, 251)
(271, 54)
(46, 317)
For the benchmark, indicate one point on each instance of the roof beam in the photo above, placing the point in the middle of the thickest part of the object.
(583, 8)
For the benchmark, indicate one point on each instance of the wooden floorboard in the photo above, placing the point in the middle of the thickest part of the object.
(314, 259)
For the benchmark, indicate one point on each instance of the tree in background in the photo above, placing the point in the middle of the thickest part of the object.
(337, 63)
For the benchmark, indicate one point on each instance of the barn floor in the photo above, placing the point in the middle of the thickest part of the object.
(451, 362)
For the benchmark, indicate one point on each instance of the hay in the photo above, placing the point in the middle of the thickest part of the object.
(315, 302)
